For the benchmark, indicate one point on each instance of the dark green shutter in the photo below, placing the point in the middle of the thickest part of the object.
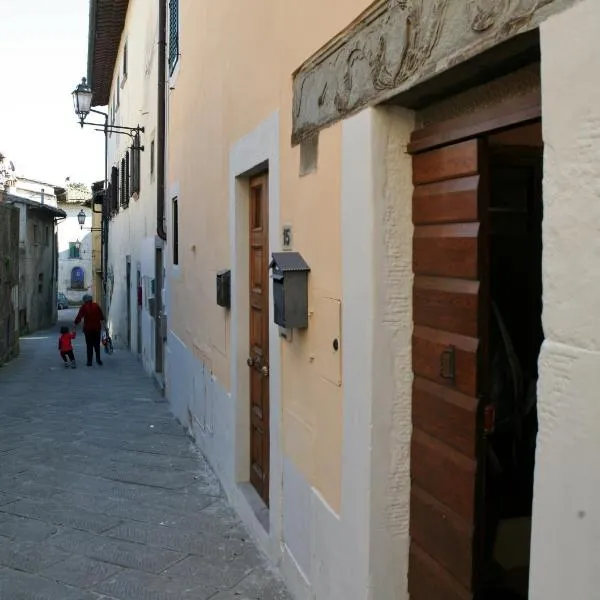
(127, 179)
(135, 165)
(114, 184)
(122, 190)
(173, 34)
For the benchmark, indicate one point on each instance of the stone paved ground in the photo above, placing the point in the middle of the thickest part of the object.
(102, 496)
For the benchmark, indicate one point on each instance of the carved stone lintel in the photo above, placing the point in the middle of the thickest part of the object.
(399, 43)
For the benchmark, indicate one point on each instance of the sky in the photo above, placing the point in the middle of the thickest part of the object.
(43, 46)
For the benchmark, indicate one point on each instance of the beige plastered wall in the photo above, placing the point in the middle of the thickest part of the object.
(229, 80)
(566, 519)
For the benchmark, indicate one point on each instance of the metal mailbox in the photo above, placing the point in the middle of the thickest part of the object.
(290, 290)
(224, 288)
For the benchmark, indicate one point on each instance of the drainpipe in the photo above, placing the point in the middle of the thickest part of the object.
(159, 317)
(161, 125)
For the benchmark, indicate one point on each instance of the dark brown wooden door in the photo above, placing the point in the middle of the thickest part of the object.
(258, 360)
(450, 325)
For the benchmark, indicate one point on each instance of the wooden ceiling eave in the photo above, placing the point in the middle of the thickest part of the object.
(107, 20)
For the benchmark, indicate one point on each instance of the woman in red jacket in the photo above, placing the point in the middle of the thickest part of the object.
(93, 322)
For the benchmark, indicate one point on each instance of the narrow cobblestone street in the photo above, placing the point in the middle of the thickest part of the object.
(102, 495)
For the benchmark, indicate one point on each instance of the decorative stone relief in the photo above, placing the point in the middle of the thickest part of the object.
(483, 15)
(398, 44)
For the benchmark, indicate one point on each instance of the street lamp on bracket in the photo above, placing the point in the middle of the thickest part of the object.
(82, 103)
(83, 96)
(81, 216)
(82, 100)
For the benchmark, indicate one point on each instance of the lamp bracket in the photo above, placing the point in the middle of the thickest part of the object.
(132, 133)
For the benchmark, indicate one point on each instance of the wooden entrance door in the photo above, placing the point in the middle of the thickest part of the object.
(450, 305)
(258, 360)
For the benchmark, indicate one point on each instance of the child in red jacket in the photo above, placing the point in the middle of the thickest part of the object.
(65, 347)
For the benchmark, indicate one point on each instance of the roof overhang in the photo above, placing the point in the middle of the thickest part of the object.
(33, 205)
(107, 19)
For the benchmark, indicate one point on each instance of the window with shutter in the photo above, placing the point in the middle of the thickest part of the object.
(123, 179)
(74, 250)
(135, 165)
(127, 179)
(173, 34)
(114, 197)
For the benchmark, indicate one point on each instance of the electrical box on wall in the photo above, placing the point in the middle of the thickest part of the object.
(224, 288)
(290, 290)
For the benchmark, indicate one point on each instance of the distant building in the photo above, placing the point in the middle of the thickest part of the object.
(34, 189)
(8, 177)
(37, 262)
(75, 251)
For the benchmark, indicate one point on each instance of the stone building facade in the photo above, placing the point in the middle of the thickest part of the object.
(9, 281)
(38, 263)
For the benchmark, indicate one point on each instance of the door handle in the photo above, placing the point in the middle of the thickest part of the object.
(265, 371)
(448, 364)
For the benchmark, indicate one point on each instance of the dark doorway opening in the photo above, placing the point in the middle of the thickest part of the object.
(128, 276)
(515, 338)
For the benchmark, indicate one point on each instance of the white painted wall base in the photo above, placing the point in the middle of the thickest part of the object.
(207, 412)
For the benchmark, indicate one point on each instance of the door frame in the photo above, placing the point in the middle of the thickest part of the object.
(507, 115)
(256, 152)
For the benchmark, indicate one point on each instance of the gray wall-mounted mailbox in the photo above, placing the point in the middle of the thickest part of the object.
(224, 288)
(290, 290)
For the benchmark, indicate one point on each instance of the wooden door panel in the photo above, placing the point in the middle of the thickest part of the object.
(256, 328)
(256, 391)
(429, 346)
(453, 201)
(450, 162)
(428, 580)
(446, 304)
(258, 360)
(449, 416)
(257, 271)
(449, 304)
(444, 473)
(446, 250)
(432, 524)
